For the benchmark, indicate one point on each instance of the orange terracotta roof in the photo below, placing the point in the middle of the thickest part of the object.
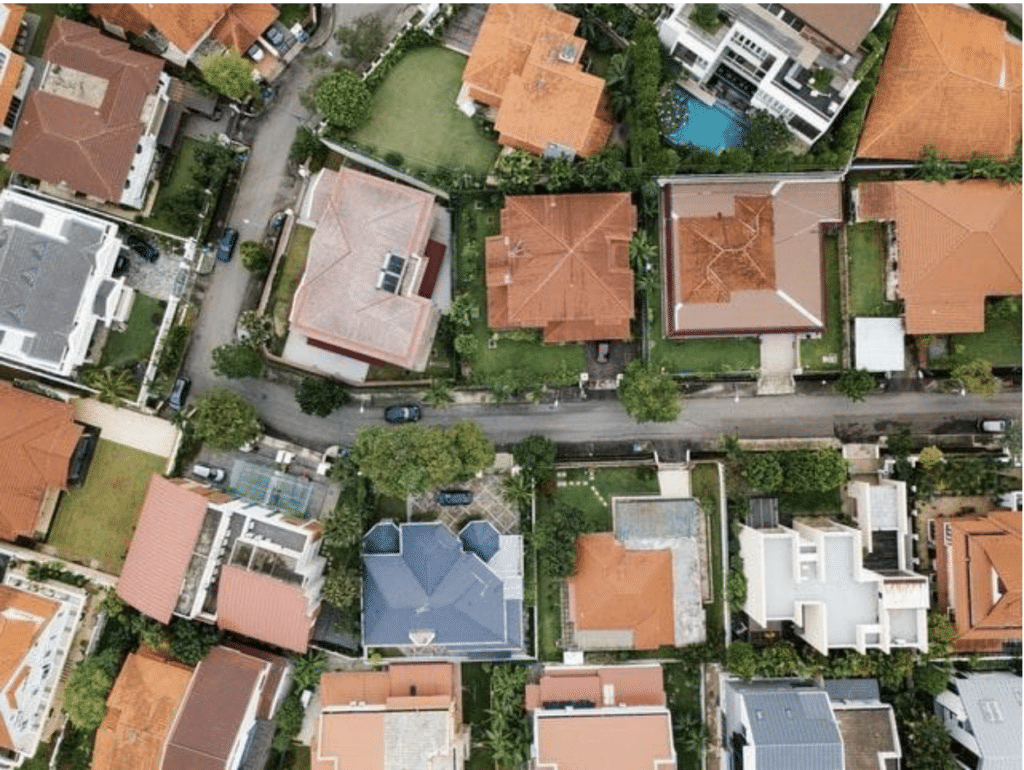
(263, 608)
(526, 61)
(619, 589)
(161, 547)
(242, 23)
(630, 686)
(23, 617)
(959, 243)
(9, 82)
(356, 736)
(15, 14)
(140, 711)
(950, 79)
(846, 24)
(562, 263)
(583, 742)
(38, 435)
(63, 139)
(184, 24)
(984, 588)
(390, 687)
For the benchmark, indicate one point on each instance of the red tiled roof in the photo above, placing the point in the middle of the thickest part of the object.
(242, 23)
(184, 24)
(38, 435)
(62, 140)
(562, 263)
(389, 687)
(582, 741)
(630, 685)
(950, 79)
(161, 548)
(959, 243)
(263, 608)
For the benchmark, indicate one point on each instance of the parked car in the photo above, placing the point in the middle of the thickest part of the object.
(254, 52)
(993, 425)
(453, 497)
(209, 473)
(179, 393)
(143, 248)
(402, 413)
(120, 264)
(226, 247)
(275, 224)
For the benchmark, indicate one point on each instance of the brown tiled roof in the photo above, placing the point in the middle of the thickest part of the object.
(359, 219)
(184, 24)
(959, 242)
(950, 79)
(984, 589)
(279, 666)
(161, 547)
(843, 23)
(214, 711)
(619, 589)
(579, 741)
(392, 687)
(140, 710)
(746, 257)
(242, 23)
(23, 616)
(526, 61)
(264, 608)
(562, 263)
(631, 686)
(60, 139)
(38, 435)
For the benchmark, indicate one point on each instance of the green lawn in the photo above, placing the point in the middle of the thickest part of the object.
(413, 113)
(476, 700)
(1000, 343)
(98, 520)
(136, 342)
(813, 352)
(682, 691)
(45, 12)
(866, 246)
(179, 177)
(704, 486)
(300, 757)
(549, 617)
(289, 273)
(810, 503)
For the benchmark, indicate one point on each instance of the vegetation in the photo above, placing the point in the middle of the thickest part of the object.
(363, 40)
(508, 731)
(648, 394)
(85, 695)
(255, 256)
(976, 377)
(535, 455)
(230, 74)
(934, 168)
(319, 396)
(867, 249)
(822, 79)
(237, 359)
(136, 342)
(343, 99)
(705, 16)
(826, 352)
(766, 135)
(554, 540)
(224, 420)
(173, 350)
(855, 384)
(112, 385)
(307, 145)
(801, 470)
(647, 155)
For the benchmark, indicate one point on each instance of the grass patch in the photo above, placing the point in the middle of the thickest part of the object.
(476, 700)
(999, 344)
(549, 617)
(413, 113)
(704, 486)
(866, 245)
(300, 754)
(41, 759)
(390, 508)
(289, 273)
(810, 503)
(173, 182)
(97, 521)
(291, 14)
(682, 691)
(46, 13)
(814, 352)
(136, 342)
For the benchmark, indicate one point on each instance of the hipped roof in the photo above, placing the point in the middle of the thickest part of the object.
(844, 23)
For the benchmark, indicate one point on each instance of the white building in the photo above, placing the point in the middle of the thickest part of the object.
(56, 282)
(766, 56)
(982, 714)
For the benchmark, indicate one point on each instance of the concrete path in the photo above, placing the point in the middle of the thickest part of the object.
(128, 428)
(674, 482)
(778, 360)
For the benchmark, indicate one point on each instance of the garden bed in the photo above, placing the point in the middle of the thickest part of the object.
(704, 486)
(288, 275)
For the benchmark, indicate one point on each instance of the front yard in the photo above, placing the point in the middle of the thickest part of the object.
(414, 114)
(867, 250)
(96, 522)
(999, 344)
(136, 342)
(826, 353)
(286, 280)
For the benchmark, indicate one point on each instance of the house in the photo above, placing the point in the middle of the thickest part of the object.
(15, 71)
(225, 717)
(958, 243)
(561, 263)
(428, 592)
(881, 512)
(813, 575)
(56, 274)
(91, 126)
(183, 32)
(38, 440)
(982, 714)
(613, 716)
(365, 296)
(526, 71)
(644, 585)
(797, 61)
(951, 79)
(408, 715)
(200, 553)
(784, 724)
(746, 256)
(978, 575)
(38, 622)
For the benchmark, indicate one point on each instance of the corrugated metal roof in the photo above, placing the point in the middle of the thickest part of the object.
(992, 701)
(878, 345)
(852, 689)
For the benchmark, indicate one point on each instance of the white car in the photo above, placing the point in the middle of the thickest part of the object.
(209, 473)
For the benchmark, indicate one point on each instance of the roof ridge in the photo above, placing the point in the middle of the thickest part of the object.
(953, 246)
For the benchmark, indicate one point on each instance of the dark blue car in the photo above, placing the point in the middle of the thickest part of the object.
(226, 247)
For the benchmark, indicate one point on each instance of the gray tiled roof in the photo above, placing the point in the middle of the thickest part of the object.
(992, 701)
(852, 689)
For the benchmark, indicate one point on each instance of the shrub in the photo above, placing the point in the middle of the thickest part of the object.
(343, 99)
(255, 256)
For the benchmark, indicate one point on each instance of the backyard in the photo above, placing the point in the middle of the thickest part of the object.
(704, 486)
(826, 352)
(414, 114)
(135, 343)
(476, 700)
(96, 522)
(682, 691)
(45, 12)
(866, 246)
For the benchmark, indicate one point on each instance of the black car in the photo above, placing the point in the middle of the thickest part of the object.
(120, 265)
(179, 393)
(402, 413)
(226, 247)
(453, 497)
(144, 249)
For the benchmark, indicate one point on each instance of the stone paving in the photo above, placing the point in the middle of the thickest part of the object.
(563, 481)
(489, 503)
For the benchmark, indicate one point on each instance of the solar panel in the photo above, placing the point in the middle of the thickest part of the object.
(395, 264)
(389, 282)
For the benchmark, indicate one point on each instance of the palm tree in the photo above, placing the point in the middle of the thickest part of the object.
(517, 490)
(112, 385)
(692, 735)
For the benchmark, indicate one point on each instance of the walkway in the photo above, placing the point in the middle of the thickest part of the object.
(778, 360)
(131, 429)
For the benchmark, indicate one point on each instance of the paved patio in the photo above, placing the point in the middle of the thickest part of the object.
(463, 30)
(130, 428)
(488, 504)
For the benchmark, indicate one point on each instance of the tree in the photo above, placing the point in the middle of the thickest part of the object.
(517, 490)
(1011, 440)
(258, 329)
(307, 145)
(343, 99)
(933, 167)
(214, 160)
(765, 134)
(928, 745)
(559, 173)
(976, 377)
(472, 448)
(931, 679)
(736, 589)
(362, 40)
(762, 471)
(535, 455)
(643, 258)
(113, 385)
(85, 695)
(439, 393)
(855, 384)
(692, 735)
(289, 721)
(237, 359)
(929, 457)
(308, 669)
(319, 396)
(255, 256)
(554, 540)
(190, 641)
(822, 79)
(73, 11)
(705, 15)
(741, 661)
(224, 420)
(516, 172)
(342, 588)
(648, 394)
(818, 470)
(942, 633)
(230, 74)
(344, 526)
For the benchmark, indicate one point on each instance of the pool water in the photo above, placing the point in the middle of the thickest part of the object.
(714, 128)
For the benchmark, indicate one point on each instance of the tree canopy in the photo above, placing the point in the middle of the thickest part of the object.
(536, 456)
(224, 420)
(855, 384)
(362, 40)
(765, 134)
(343, 99)
(320, 397)
(237, 359)
(976, 377)
(85, 695)
(649, 395)
(230, 74)
(255, 256)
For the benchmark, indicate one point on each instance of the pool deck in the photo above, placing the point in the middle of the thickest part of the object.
(697, 92)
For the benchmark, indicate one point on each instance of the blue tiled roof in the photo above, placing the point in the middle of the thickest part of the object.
(481, 538)
(382, 538)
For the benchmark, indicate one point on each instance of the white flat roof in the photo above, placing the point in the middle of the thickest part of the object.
(878, 344)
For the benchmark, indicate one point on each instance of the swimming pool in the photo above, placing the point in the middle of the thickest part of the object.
(714, 128)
